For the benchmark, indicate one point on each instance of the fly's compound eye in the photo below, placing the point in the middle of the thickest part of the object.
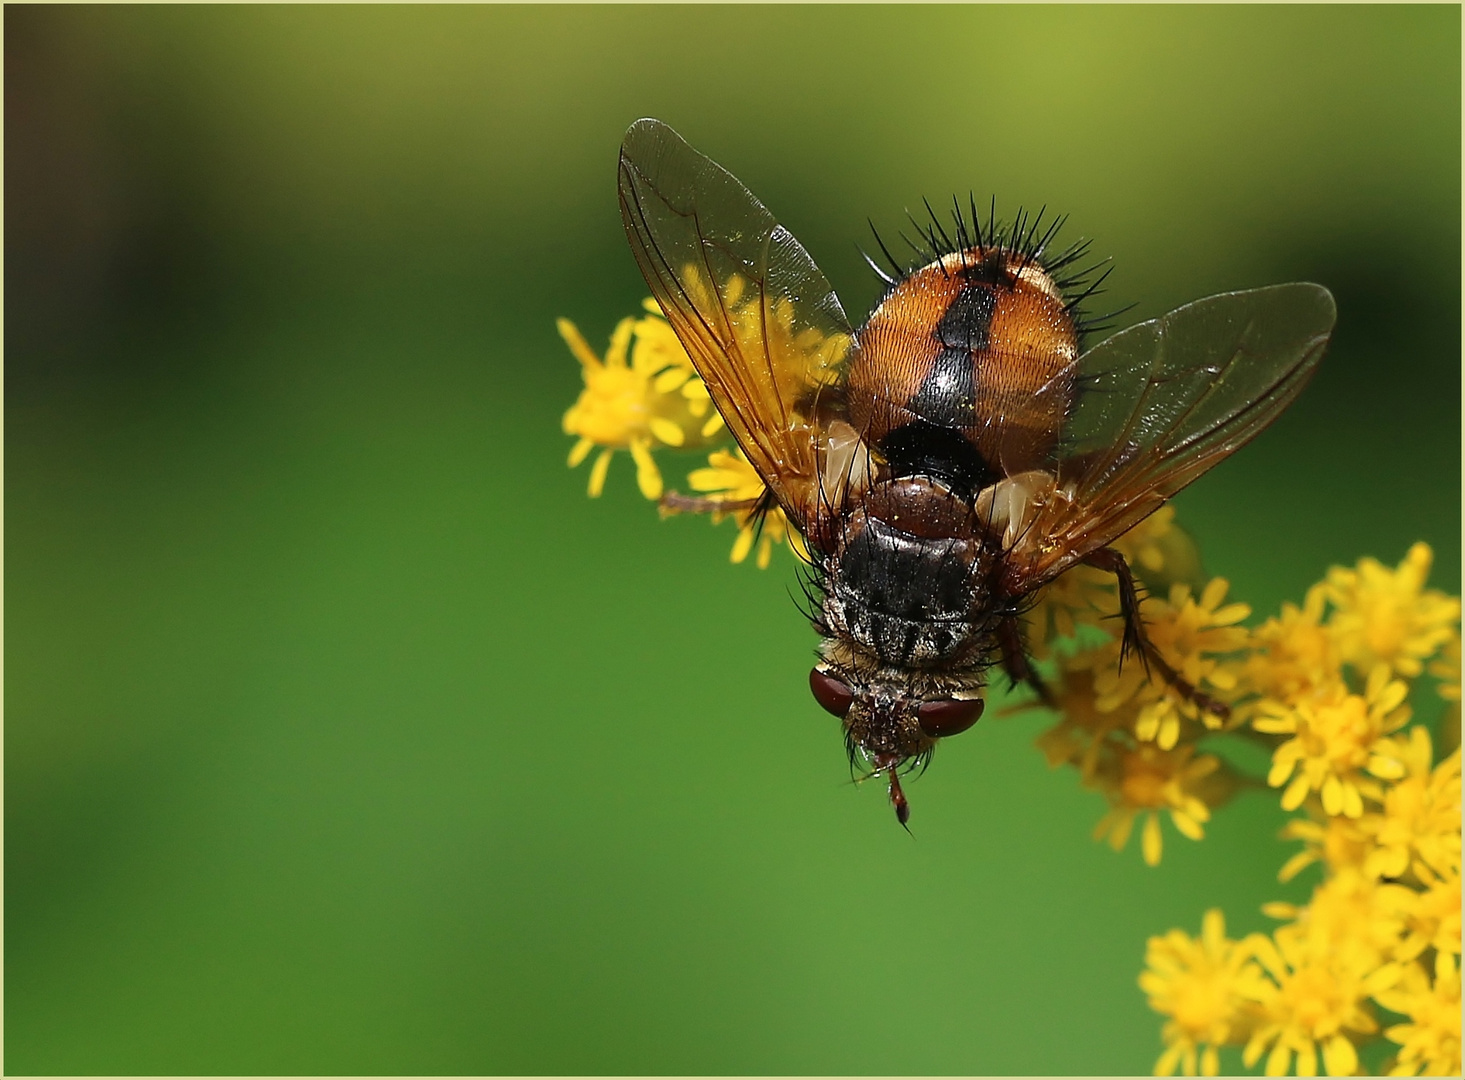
(942, 719)
(833, 695)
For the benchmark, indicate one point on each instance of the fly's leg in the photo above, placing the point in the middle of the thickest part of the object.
(1136, 640)
(674, 503)
(1016, 663)
(757, 508)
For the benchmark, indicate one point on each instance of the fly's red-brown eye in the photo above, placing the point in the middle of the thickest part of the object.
(833, 695)
(942, 719)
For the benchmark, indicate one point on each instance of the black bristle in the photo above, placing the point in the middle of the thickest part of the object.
(925, 254)
(1025, 239)
(963, 238)
(900, 271)
(936, 229)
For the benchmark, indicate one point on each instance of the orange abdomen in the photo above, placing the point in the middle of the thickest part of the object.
(976, 343)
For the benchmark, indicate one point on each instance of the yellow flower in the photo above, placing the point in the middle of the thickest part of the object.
(1432, 915)
(1080, 736)
(1420, 818)
(1354, 920)
(730, 478)
(1430, 1042)
(1082, 596)
(1161, 553)
(1337, 842)
(1387, 616)
(1315, 1005)
(1334, 740)
(799, 357)
(1144, 781)
(664, 353)
(621, 407)
(1193, 636)
(1294, 656)
(1159, 722)
(1207, 987)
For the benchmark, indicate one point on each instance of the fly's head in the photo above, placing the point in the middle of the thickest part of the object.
(892, 717)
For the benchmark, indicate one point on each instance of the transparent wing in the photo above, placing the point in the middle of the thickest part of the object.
(1158, 404)
(755, 314)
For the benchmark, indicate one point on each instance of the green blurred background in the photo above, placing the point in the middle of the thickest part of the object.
(345, 734)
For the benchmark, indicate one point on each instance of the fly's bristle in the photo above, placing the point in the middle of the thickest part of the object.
(1025, 240)
(888, 281)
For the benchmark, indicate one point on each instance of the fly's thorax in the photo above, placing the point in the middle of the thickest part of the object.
(906, 580)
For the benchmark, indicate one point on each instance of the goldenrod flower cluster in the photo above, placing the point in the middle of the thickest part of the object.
(1131, 737)
(1327, 686)
(644, 396)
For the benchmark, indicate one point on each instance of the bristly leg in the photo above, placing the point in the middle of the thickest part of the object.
(760, 505)
(1017, 663)
(1135, 638)
(674, 503)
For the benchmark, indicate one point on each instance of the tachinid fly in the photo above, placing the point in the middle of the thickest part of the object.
(957, 451)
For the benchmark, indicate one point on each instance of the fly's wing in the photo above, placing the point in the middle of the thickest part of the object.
(760, 322)
(1157, 405)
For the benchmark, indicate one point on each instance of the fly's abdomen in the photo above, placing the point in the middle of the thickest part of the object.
(965, 370)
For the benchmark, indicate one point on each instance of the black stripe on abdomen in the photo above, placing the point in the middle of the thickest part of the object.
(947, 395)
(967, 319)
(935, 444)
